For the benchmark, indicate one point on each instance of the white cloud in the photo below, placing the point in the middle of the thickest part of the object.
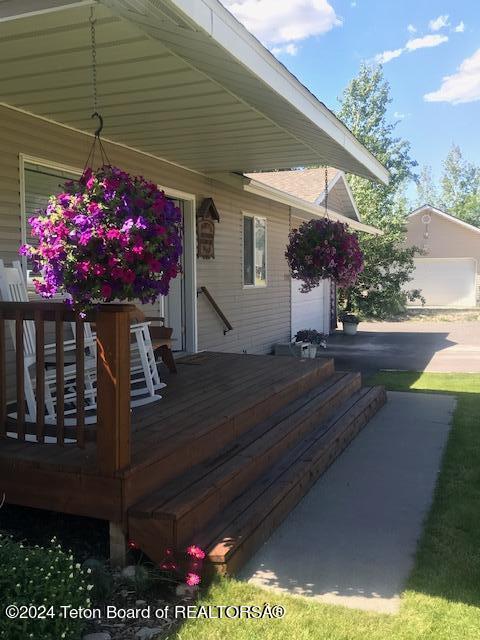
(412, 45)
(439, 23)
(398, 115)
(425, 41)
(412, 28)
(460, 28)
(291, 49)
(386, 56)
(275, 22)
(353, 3)
(462, 86)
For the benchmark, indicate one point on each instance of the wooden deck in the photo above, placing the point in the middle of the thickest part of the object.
(229, 436)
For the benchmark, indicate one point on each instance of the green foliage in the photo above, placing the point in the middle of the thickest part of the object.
(40, 576)
(363, 109)
(101, 578)
(427, 191)
(382, 289)
(459, 190)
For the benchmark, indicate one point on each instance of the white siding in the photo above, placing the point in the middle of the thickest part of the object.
(260, 317)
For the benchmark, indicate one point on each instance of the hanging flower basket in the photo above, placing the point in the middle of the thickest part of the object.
(321, 249)
(108, 236)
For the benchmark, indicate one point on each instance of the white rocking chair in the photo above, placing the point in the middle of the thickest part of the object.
(145, 379)
(13, 289)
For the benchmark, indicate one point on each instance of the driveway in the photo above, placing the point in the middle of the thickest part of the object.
(408, 346)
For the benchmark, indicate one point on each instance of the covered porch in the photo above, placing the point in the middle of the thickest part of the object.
(234, 443)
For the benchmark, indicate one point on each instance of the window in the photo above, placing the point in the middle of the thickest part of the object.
(40, 183)
(254, 251)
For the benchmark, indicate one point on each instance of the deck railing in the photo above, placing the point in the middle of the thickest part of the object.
(112, 429)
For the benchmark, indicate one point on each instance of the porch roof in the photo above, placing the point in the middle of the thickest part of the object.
(179, 79)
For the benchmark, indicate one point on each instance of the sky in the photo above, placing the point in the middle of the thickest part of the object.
(430, 51)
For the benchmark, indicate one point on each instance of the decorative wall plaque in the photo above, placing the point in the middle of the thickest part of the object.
(206, 215)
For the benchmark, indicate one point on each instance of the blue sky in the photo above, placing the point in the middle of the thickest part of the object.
(421, 42)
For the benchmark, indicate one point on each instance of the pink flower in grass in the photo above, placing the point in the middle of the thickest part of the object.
(192, 579)
(196, 552)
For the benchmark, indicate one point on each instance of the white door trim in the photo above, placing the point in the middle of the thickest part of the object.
(190, 265)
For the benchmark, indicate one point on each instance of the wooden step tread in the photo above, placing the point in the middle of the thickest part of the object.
(249, 520)
(254, 448)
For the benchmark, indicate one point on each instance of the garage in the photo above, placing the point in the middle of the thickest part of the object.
(311, 310)
(446, 282)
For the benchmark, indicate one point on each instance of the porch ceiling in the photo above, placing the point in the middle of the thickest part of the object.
(198, 91)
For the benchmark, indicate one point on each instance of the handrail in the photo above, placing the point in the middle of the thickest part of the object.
(219, 312)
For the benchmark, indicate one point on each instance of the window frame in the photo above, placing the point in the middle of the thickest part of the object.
(254, 216)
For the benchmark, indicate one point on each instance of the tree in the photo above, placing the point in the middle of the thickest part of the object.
(427, 191)
(382, 288)
(460, 183)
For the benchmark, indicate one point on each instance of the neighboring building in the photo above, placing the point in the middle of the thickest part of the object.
(193, 115)
(448, 272)
(316, 309)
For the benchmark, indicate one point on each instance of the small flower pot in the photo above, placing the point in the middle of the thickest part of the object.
(312, 351)
(350, 328)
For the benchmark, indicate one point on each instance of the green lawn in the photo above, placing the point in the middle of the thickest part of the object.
(442, 599)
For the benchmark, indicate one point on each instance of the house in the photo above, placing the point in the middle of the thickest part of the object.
(448, 270)
(317, 308)
(195, 103)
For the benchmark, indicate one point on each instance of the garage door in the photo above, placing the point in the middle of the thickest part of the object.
(311, 310)
(446, 282)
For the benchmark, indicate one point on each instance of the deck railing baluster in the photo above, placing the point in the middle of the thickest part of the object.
(80, 380)
(112, 386)
(19, 357)
(3, 377)
(60, 377)
(40, 375)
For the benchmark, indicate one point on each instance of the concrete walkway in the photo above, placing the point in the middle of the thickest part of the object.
(352, 539)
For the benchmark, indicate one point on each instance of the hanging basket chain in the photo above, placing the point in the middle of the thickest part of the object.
(97, 140)
(326, 193)
(94, 59)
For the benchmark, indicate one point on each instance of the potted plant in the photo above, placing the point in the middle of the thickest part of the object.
(313, 338)
(108, 236)
(321, 249)
(350, 323)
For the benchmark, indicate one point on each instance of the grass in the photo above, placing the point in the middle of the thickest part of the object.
(442, 598)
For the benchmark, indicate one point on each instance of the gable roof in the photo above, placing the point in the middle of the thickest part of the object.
(309, 185)
(427, 208)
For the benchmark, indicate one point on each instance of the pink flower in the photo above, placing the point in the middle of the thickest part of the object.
(192, 579)
(106, 291)
(196, 552)
(98, 270)
(83, 268)
(113, 234)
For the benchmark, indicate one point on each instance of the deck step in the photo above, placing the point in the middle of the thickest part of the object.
(240, 400)
(233, 506)
(248, 521)
(181, 507)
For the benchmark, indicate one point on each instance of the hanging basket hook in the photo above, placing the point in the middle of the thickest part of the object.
(100, 126)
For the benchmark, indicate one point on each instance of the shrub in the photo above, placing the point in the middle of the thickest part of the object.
(40, 576)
